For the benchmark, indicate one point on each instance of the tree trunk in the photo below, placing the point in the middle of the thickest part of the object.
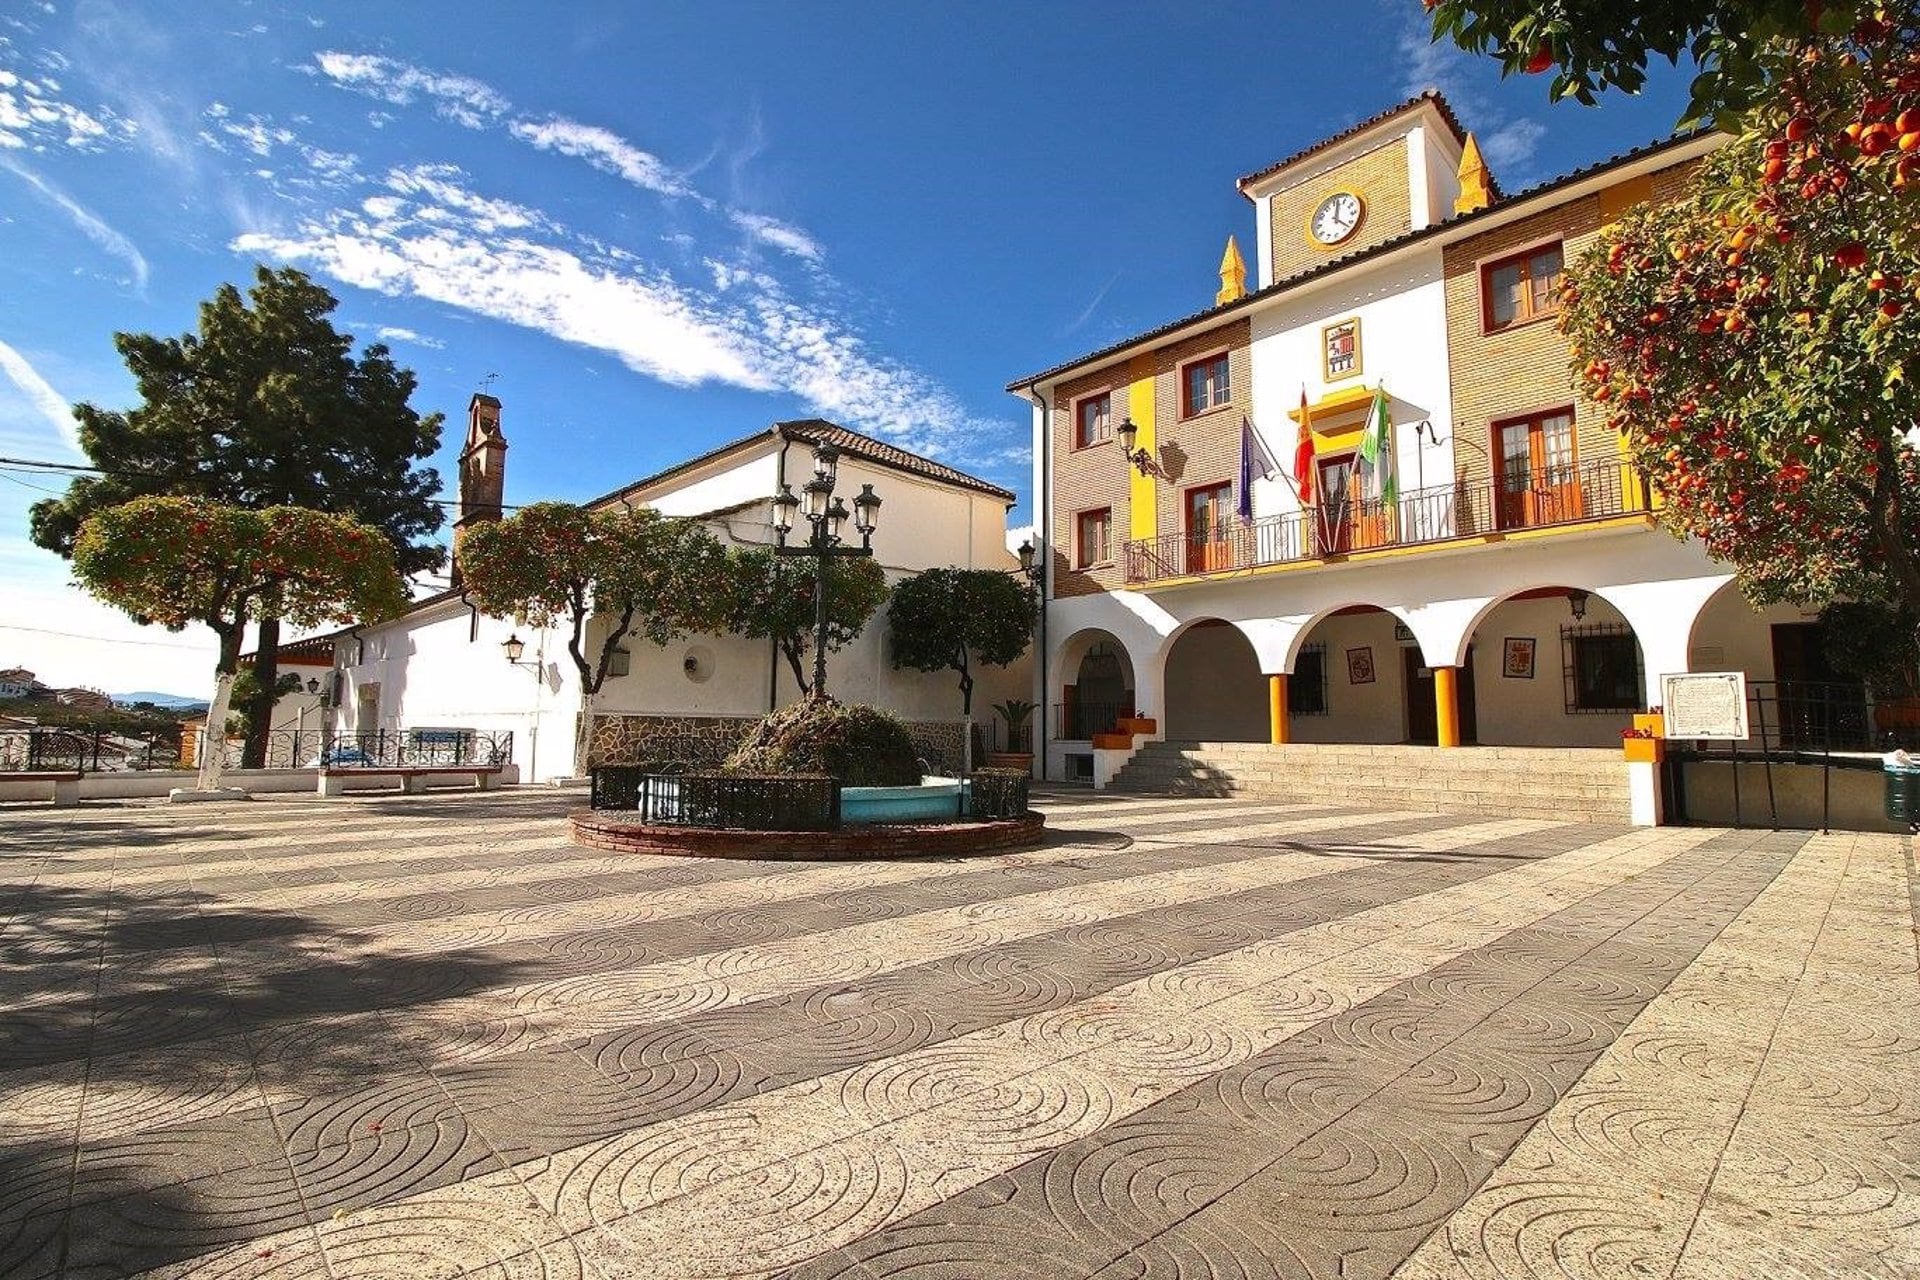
(966, 686)
(266, 674)
(796, 659)
(213, 746)
(1890, 526)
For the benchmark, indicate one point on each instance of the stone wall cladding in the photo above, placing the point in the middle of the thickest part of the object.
(1085, 479)
(1203, 449)
(705, 742)
(689, 742)
(1378, 177)
(941, 744)
(619, 833)
(1524, 368)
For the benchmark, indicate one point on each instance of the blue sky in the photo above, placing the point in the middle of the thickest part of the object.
(663, 225)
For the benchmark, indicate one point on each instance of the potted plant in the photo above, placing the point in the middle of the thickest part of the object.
(1017, 713)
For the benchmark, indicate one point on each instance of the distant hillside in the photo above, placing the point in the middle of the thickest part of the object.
(171, 701)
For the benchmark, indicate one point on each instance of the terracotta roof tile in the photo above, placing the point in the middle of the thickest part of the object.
(820, 431)
(1431, 95)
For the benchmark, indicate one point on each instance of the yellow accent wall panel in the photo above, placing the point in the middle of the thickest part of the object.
(1622, 196)
(1144, 514)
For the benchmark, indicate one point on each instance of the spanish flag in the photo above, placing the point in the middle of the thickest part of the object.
(1303, 454)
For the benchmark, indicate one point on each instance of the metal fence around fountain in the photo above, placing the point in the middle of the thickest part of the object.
(770, 802)
(740, 801)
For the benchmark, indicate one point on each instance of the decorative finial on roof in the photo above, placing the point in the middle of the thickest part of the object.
(1233, 275)
(1476, 180)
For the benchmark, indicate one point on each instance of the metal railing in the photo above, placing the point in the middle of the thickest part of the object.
(997, 794)
(52, 750)
(1834, 725)
(1079, 721)
(1517, 500)
(746, 802)
(425, 748)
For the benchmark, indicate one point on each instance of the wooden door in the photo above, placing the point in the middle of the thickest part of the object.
(1335, 512)
(1423, 713)
(1209, 516)
(1539, 472)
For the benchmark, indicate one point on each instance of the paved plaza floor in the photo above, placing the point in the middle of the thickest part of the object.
(428, 1037)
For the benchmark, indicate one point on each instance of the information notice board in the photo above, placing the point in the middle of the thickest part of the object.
(1705, 704)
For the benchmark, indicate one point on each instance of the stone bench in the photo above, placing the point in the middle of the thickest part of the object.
(66, 784)
(413, 778)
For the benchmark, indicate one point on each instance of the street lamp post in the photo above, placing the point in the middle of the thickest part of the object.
(827, 516)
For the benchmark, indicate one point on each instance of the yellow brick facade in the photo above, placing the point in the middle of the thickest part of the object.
(1198, 450)
(1203, 449)
(1524, 368)
(1085, 479)
(1378, 177)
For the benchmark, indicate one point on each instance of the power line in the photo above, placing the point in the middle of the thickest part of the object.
(74, 635)
(43, 466)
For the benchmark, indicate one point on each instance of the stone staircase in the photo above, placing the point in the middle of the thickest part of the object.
(1573, 784)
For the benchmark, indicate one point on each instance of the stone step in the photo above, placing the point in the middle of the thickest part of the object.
(1573, 784)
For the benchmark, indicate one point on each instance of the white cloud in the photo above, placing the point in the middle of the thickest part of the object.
(452, 245)
(459, 98)
(437, 181)
(783, 236)
(90, 226)
(32, 118)
(603, 149)
(399, 333)
(1430, 64)
(442, 253)
(1512, 144)
(47, 402)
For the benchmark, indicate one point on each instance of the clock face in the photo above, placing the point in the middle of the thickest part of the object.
(1336, 217)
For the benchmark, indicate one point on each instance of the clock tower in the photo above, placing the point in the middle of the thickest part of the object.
(1384, 177)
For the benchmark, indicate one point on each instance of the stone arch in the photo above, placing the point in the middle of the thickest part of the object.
(1097, 682)
(1546, 677)
(1212, 684)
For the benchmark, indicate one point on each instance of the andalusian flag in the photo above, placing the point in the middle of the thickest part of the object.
(1376, 450)
(1303, 454)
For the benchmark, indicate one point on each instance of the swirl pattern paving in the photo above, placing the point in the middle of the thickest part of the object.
(1189, 1038)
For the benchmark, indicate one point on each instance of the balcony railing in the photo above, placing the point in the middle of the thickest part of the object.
(1517, 500)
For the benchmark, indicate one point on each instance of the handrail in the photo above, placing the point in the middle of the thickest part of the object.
(1557, 495)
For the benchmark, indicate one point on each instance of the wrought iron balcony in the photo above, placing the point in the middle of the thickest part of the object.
(1545, 497)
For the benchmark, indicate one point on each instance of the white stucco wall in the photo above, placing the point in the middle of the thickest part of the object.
(1375, 712)
(1214, 689)
(1513, 711)
(433, 672)
(1403, 343)
(1445, 596)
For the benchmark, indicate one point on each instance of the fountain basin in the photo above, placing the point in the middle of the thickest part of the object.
(934, 800)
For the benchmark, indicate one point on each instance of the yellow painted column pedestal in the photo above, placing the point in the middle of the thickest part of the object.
(1446, 697)
(1277, 709)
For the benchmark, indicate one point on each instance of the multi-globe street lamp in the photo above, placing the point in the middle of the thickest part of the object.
(828, 517)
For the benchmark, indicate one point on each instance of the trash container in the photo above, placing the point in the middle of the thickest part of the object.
(1903, 795)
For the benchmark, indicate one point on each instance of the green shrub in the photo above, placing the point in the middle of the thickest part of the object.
(860, 746)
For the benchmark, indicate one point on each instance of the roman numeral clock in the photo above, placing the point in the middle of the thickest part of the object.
(1336, 218)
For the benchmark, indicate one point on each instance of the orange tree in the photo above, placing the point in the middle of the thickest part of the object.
(558, 563)
(1593, 45)
(177, 561)
(1753, 339)
(774, 598)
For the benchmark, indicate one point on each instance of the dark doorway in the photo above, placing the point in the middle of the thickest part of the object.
(1423, 713)
(1099, 695)
(1813, 704)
